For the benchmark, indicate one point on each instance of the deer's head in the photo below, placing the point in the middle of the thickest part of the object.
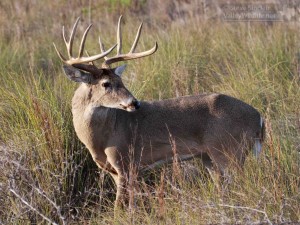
(104, 84)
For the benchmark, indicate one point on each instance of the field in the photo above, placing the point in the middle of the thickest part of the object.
(48, 177)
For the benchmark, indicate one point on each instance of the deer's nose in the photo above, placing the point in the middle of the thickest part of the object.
(130, 105)
(136, 104)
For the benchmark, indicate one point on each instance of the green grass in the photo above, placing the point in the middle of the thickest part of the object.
(46, 173)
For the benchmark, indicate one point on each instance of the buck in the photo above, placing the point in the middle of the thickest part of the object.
(111, 122)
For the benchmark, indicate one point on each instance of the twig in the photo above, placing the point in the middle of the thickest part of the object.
(248, 208)
(32, 208)
(58, 208)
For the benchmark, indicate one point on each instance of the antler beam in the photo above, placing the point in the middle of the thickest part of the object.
(131, 54)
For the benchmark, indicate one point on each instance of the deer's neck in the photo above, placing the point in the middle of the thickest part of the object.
(93, 125)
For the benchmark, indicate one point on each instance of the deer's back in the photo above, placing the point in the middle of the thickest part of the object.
(199, 111)
(196, 118)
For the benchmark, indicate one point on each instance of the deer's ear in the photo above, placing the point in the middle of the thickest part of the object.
(77, 75)
(120, 69)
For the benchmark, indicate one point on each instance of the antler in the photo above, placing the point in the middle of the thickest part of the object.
(131, 54)
(80, 58)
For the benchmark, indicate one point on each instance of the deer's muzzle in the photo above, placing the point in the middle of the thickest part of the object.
(131, 105)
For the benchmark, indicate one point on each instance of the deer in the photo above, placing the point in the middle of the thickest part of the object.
(111, 122)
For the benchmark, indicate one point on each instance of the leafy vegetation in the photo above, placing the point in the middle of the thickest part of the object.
(47, 175)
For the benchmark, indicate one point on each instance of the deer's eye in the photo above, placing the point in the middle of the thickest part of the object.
(106, 84)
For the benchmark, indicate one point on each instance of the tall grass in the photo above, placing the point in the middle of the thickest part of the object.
(46, 174)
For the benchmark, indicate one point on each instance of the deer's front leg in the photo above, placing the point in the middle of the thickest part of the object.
(120, 165)
(121, 195)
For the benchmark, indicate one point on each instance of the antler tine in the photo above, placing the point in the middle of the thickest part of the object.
(102, 47)
(88, 54)
(83, 40)
(59, 54)
(70, 43)
(131, 54)
(80, 58)
(119, 37)
(66, 43)
(64, 35)
(137, 37)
